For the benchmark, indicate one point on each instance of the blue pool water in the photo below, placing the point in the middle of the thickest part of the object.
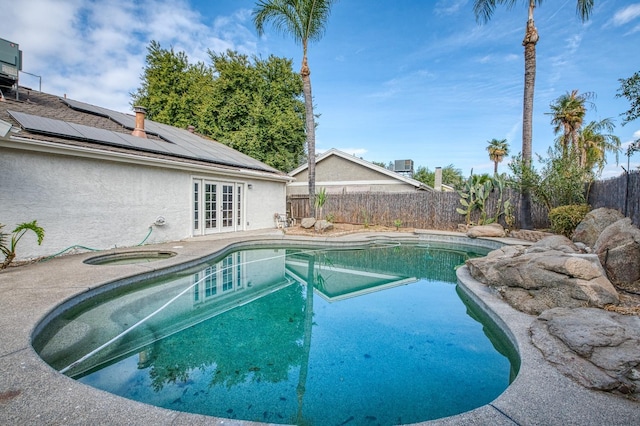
(294, 336)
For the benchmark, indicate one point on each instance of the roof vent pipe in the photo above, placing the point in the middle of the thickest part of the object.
(139, 130)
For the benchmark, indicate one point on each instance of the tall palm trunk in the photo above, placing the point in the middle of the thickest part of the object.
(530, 39)
(310, 128)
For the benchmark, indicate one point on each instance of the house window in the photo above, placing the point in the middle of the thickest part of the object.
(227, 206)
(217, 207)
(239, 205)
(210, 206)
(196, 205)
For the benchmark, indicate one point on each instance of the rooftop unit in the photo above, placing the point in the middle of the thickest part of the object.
(403, 167)
(10, 63)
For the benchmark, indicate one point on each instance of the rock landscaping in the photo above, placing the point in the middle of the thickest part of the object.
(585, 294)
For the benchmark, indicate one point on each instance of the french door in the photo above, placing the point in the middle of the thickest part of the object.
(217, 206)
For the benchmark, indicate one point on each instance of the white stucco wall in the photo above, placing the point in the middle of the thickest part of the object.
(104, 203)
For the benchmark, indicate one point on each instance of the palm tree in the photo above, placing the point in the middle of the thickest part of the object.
(305, 21)
(567, 115)
(498, 149)
(483, 10)
(594, 141)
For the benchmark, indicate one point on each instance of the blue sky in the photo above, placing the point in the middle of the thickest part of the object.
(392, 79)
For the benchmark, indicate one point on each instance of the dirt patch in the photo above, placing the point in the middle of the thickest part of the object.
(342, 229)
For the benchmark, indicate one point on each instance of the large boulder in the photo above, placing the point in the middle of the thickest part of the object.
(598, 349)
(308, 222)
(618, 248)
(588, 231)
(550, 273)
(491, 230)
(323, 225)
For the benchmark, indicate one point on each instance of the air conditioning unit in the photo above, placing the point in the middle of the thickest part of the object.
(10, 62)
(403, 166)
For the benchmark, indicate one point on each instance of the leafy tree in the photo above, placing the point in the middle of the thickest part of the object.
(171, 87)
(424, 175)
(379, 164)
(450, 176)
(498, 149)
(253, 105)
(483, 10)
(305, 21)
(256, 108)
(630, 89)
(560, 182)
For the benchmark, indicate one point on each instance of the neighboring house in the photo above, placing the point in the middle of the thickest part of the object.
(98, 178)
(339, 172)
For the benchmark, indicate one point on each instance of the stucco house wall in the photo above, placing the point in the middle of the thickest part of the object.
(339, 172)
(92, 195)
(102, 204)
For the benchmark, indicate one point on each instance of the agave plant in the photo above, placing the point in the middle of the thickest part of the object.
(9, 250)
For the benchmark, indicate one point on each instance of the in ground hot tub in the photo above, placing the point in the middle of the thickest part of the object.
(139, 256)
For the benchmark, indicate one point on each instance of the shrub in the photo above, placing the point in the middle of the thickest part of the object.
(565, 219)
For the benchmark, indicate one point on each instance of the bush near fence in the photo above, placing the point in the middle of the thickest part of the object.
(437, 210)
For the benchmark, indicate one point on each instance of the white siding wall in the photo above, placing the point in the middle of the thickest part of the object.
(102, 204)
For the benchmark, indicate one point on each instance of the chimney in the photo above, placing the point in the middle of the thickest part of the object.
(438, 179)
(139, 130)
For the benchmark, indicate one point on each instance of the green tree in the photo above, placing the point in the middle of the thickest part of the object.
(305, 21)
(567, 115)
(171, 87)
(560, 182)
(253, 105)
(450, 176)
(630, 89)
(256, 108)
(483, 10)
(498, 149)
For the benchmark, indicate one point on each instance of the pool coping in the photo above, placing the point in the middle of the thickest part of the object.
(31, 392)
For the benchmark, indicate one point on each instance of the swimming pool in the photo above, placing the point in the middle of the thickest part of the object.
(383, 338)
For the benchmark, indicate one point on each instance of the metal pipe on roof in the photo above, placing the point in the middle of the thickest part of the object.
(139, 130)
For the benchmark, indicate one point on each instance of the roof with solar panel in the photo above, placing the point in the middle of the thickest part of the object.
(40, 116)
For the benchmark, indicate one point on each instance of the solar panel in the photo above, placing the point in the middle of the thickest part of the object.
(105, 136)
(180, 142)
(45, 125)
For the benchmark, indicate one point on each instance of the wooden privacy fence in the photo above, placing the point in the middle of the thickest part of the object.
(423, 210)
(621, 193)
(437, 210)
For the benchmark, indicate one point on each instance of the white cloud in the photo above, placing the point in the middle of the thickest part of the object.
(626, 15)
(95, 51)
(449, 7)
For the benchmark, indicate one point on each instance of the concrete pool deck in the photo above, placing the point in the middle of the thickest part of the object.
(32, 393)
